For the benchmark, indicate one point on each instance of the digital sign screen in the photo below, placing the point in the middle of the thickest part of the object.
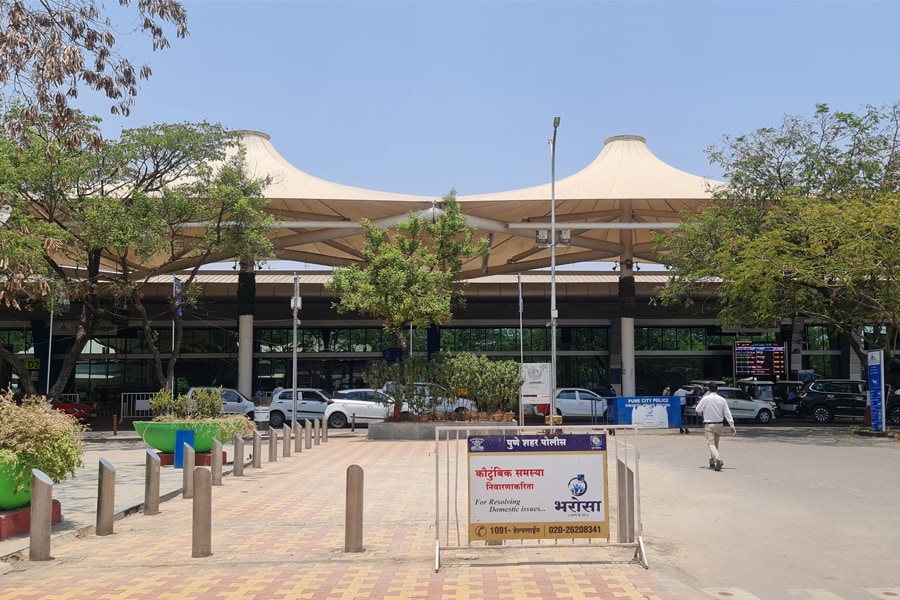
(760, 360)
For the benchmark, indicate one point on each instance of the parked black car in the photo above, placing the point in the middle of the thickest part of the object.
(892, 410)
(825, 399)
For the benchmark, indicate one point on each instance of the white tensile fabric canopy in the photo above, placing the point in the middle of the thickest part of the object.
(610, 208)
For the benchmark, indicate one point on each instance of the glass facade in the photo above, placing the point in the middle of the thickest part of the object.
(334, 357)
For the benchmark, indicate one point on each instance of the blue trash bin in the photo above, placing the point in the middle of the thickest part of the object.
(182, 437)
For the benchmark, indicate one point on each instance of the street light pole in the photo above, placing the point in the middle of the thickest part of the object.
(554, 314)
(295, 306)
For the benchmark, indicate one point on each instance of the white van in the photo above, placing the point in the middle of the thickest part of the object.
(233, 402)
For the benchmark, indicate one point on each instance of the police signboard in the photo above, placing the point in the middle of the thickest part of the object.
(537, 487)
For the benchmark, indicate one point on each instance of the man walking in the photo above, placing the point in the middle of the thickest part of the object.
(714, 409)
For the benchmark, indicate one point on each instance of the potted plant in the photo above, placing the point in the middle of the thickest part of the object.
(34, 436)
(201, 414)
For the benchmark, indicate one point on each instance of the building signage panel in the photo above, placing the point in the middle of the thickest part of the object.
(536, 383)
(875, 360)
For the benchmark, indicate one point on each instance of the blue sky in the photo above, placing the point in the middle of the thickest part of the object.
(421, 96)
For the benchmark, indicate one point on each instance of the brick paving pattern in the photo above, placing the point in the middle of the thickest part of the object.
(278, 532)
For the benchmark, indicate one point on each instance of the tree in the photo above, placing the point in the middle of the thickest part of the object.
(49, 49)
(806, 226)
(96, 224)
(412, 276)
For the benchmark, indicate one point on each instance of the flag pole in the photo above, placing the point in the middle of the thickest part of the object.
(521, 350)
(175, 300)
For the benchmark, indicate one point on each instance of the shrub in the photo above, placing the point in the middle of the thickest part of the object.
(203, 407)
(40, 438)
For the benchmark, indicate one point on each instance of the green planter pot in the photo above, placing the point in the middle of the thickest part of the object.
(10, 499)
(161, 434)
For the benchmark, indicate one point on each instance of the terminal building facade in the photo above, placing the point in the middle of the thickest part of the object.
(608, 331)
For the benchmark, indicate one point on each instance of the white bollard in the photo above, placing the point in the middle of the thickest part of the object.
(187, 476)
(41, 516)
(216, 462)
(201, 524)
(286, 441)
(238, 470)
(257, 450)
(106, 498)
(151, 483)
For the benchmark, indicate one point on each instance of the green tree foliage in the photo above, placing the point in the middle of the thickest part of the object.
(93, 224)
(805, 226)
(492, 384)
(52, 48)
(410, 277)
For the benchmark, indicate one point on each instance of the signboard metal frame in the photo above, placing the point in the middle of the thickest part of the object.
(522, 468)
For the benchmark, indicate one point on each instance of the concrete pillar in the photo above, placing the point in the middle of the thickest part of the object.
(628, 386)
(246, 309)
(627, 312)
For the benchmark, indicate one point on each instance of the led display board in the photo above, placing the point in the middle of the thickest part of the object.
(763, 361)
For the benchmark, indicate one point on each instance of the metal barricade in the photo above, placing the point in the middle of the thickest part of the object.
(514, 466)
(135, 405)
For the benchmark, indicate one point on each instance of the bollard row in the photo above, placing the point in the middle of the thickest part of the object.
(197, 483)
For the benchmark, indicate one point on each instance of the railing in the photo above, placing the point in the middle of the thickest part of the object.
(136, 405)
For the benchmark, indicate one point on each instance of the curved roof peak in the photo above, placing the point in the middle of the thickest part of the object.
(625, 138)
(625, 169)
(245, 133)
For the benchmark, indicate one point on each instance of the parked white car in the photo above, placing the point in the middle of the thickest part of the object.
(361, 405)
(579, 403)
(311, 404)
(233, 402)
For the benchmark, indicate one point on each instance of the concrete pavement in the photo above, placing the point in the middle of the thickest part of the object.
(278, 532)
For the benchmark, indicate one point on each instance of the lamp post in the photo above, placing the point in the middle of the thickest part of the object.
(295, 306)
(553, 312)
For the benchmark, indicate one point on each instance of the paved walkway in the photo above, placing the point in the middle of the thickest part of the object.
(278, 532)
